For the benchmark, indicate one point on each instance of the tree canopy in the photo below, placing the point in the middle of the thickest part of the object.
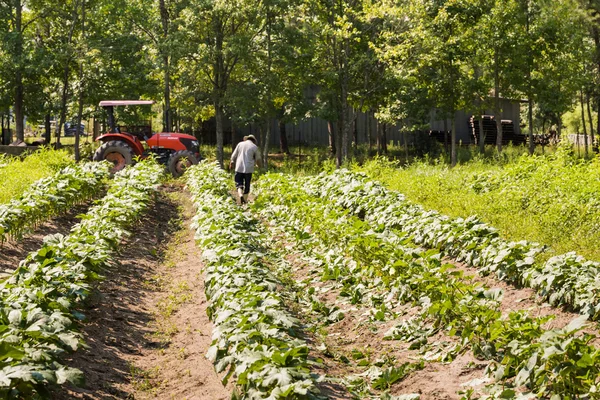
(259, 61)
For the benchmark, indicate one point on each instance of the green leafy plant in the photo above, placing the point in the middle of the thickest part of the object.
(448, 302)
(255, 338)
(37, 301)
(51, 195)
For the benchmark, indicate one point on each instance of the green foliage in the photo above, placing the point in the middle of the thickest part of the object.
(325, 215)
(547, 199)
(50, 196)
(470, 240)
(255, 338)
(38, 301)
(17, 174)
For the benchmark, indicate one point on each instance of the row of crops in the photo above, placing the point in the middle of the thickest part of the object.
(309, 255)
(363, 248)
(255, 337)
(39, 301)
(51, 196)
(566, 279)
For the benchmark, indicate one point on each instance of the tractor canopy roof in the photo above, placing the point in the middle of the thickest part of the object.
(111, 103)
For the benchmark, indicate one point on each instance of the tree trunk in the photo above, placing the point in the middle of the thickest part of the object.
(63, 104)
(446, 135)
(530, 122)
(578, 147)
(219, 80)
(283, 142)
(332, 138)
(47, 129)
(232, 136)
(481, 133)
(65, 82)
(164, 17)
(259, 134)
(339, 141)
(405, 137)
(343, 134)
(18, 109)
(219, 133)
(78, 126)
(346, 111)
(355, 133)
(497, 111)
(591, 120)
(167, 120)
(81, 88)
(10, 135)
(453, 159)
(585, 137)
(529, 88)
(378, 127)
(96, 128)
(596, 35)
(384, 146)
(369, 122)
(265, 148)
(347, 132)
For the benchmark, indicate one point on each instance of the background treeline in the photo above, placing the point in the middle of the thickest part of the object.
(249, 61)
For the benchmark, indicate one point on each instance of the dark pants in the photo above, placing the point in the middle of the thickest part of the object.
(243, 181)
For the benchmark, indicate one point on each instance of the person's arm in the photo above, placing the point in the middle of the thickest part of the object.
(234, 156)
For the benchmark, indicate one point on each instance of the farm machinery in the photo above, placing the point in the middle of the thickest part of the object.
(177, 151)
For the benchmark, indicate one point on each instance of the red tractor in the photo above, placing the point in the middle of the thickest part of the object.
(177, 151)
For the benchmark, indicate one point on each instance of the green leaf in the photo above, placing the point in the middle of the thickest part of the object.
(71, 375)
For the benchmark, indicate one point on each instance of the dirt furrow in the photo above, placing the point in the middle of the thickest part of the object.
(13, 251)
(350, 346)
(147, 328)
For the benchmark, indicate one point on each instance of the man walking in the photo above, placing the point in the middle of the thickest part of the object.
(245, 156)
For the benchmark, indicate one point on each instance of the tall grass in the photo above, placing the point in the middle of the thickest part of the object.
(552, 199)
(16, 174)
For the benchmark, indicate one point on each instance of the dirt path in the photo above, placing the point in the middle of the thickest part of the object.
(147, 328)
(12, 252)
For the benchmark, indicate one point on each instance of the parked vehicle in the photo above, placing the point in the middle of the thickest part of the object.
(177, 151)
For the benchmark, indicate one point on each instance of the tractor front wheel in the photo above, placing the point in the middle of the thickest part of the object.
(180, 161)
(117, 152)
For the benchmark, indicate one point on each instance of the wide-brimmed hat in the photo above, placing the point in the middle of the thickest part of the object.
(250, 137)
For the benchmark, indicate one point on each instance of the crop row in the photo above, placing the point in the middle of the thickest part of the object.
(50, 196)
(554, 362)
(37, 302)
(343, 257)
(563, 280)
(255, 338)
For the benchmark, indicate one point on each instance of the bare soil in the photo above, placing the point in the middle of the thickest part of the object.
(146, 326)
(522, 298)
(148, 332)
(13, 251)
(355, 332)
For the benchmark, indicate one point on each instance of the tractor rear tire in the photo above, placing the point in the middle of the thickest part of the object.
(180, 161)
(117, 152)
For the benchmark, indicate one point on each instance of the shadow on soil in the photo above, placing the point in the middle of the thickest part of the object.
(12, 252)
(117, 320)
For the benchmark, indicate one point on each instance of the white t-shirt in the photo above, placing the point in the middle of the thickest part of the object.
(245, 156)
